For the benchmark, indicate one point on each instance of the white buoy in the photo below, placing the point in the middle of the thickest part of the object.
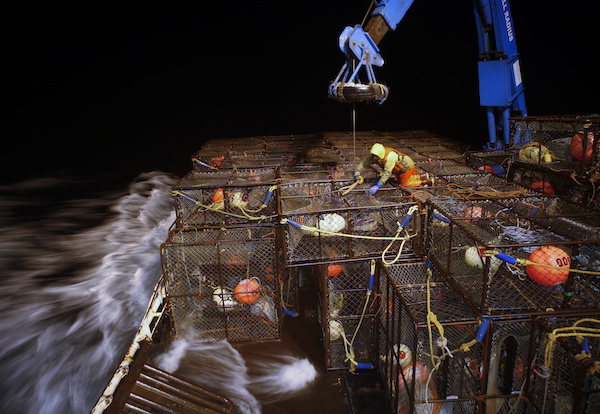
(332, 222)
(336, 330)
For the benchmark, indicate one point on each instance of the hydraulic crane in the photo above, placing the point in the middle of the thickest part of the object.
(500, 81)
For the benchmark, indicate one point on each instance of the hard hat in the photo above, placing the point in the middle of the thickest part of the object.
(378, 150)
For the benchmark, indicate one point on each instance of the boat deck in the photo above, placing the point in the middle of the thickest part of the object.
(287, 213)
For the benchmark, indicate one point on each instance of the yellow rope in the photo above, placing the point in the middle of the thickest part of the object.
(219, 210)
(561, 333)
(432, 318)
(315, 232)
(397, 237)
(465, 192)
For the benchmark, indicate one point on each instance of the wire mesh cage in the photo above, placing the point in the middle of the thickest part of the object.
(464, 232)
(566, 140)
(347, 313)
(220, 283)
(323, 224)
(506, 372)
(224, 197)
(409, 350)
(564, 376)
(558, 155)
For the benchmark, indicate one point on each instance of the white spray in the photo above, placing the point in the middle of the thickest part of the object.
(72, 296)
(76, 278)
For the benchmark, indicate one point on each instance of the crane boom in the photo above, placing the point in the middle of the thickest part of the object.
(500, 80)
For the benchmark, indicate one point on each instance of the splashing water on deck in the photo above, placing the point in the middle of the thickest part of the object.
(79, 264)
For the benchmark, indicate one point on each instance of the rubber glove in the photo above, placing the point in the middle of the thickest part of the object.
(374, 189)
(358, 177)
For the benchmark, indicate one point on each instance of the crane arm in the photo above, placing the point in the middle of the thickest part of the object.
(500, 82)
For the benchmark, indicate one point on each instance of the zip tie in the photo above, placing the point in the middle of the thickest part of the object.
(205, 165)
(269, 195)
(188, 198)
(483, 329)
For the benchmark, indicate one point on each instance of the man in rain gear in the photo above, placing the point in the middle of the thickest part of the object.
(392, 162)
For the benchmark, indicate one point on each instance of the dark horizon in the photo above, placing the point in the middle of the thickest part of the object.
(128, 88)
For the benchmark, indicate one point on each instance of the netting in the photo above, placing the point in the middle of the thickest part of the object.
(407, 348)
(221, 283)
(347, 313)
(349, 226)
(465, 229)
(211, 198)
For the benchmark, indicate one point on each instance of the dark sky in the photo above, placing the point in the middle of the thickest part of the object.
(132, 86)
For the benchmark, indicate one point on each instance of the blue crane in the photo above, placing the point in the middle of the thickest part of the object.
(500, 81)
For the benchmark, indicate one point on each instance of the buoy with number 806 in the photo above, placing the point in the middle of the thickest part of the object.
(549, 256)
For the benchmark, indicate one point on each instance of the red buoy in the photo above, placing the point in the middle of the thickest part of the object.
(577, 146)
(334, 270)
(476, 212)
(543, 186)
(550, 256)
(247, 291)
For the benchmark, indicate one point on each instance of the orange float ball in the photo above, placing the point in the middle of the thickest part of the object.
(218, 196)
(551, 256)
(476, 212)
(269, 273)
(486, 168)
(334, 270)
(247, 291)
(576, 146)
(543, 186)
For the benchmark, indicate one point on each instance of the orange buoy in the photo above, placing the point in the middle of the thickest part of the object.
(476, 212)
(577, 146)
(550, 256)
(217, 161)
(486, 168)
(218, 196)
(543, 186)
(334, 270)
(247, 291)
(269, 273)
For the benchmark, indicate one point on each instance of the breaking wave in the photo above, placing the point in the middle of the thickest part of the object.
(79, 262)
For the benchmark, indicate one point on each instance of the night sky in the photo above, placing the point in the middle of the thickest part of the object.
(125, 87)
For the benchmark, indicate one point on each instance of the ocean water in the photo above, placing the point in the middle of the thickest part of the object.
(79, 260)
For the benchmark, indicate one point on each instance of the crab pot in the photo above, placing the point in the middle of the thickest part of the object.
(557, 133)
(552, 182)
(521, 368)
(404, 347)
(220, 283)
(347, 312)
(561, 156)
(560, 380)
(351, 226)
(462, 229)
(224, 197)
